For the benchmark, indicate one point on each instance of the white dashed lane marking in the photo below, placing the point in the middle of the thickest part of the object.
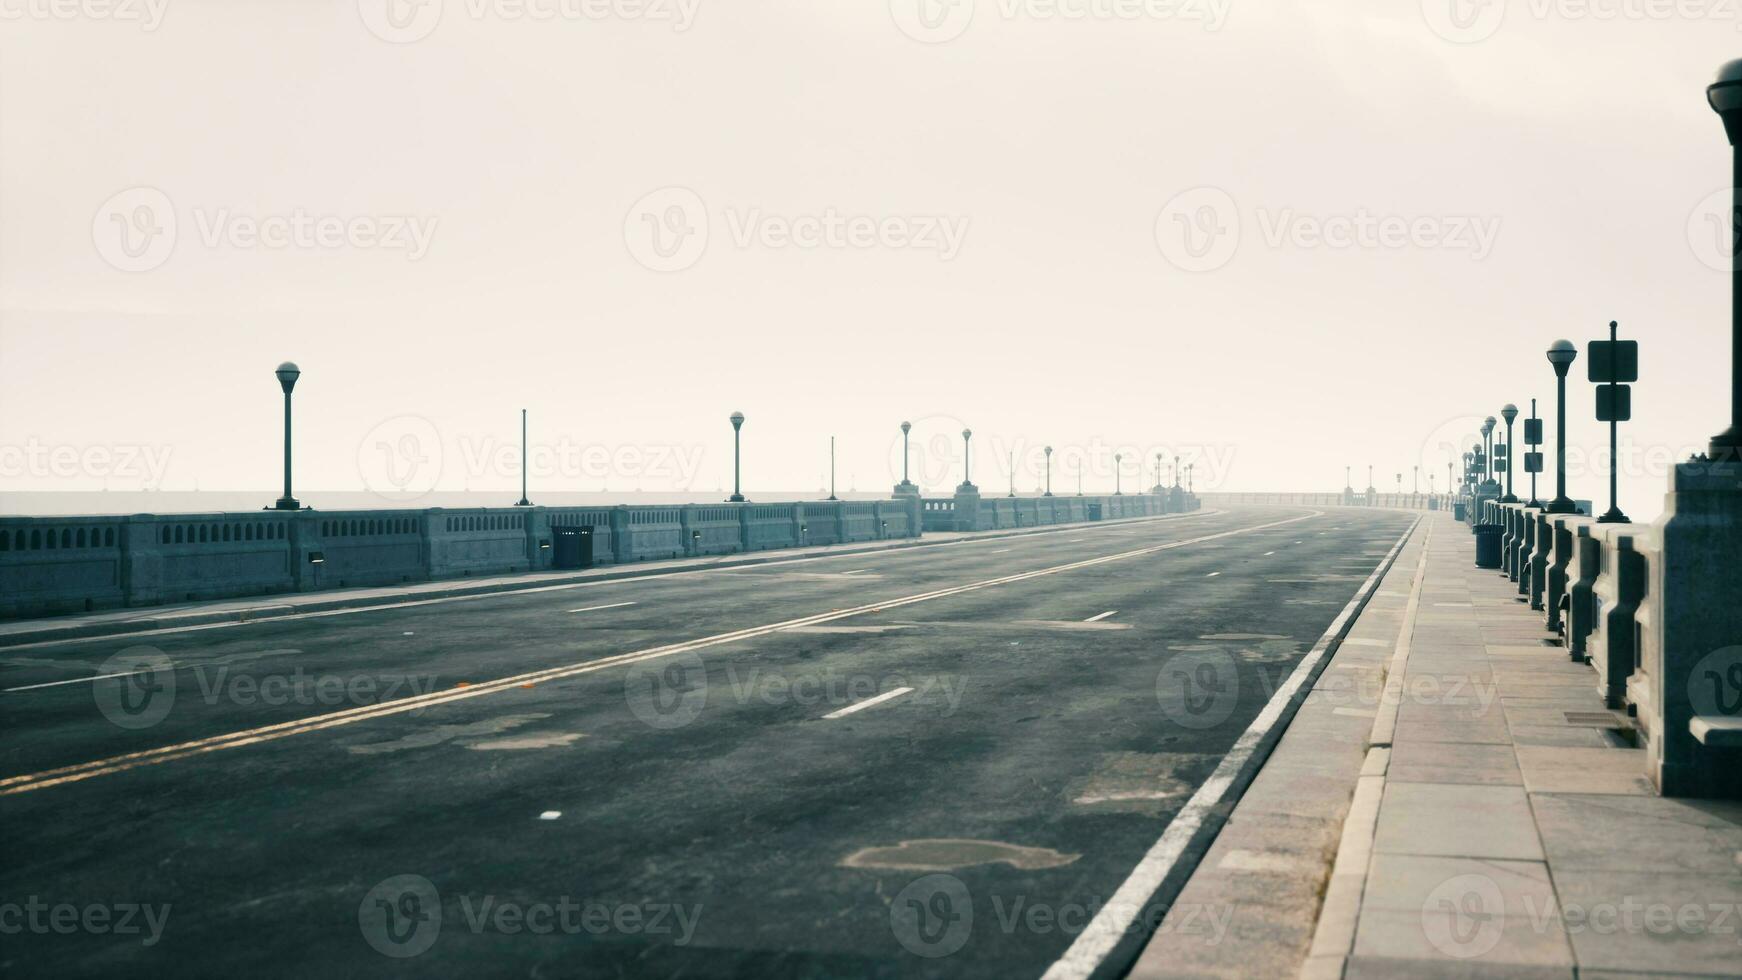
(614, 605)
(1096, 619)
(868, 703)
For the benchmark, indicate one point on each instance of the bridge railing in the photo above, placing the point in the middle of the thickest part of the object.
(1393, 501)
(1601, 588)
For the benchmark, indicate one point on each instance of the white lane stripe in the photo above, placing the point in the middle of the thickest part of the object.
(614, 605)
(27, 782)
(895, 552)
(856, 571)
(1115, 919)
(868, 703)
(1096, 619)
(1212, 575)
(1001, 551)
(1267, 554)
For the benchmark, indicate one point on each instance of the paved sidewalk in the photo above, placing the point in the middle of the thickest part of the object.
(1516, 833)
(1499, 822)
(121, 622)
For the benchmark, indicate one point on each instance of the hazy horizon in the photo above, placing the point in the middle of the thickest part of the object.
(1334, 238)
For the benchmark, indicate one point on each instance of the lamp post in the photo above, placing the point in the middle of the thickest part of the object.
(1561, 354)
(905, 487)
(1158, 486)
(1725, 98)
(1118, 464)
(1049, 471)
(1079, 476)
(1415, 481)
(1488, 425)
(287, 375)
(1348, 483)
(523, 502)
(737, 460)
(1510, 414)
(832, 469)
(967, 467)
(1189, 468)
(1013, 473)
(1400, 484)
(1370, 489)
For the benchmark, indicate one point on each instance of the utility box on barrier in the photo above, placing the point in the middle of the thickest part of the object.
(572, 547)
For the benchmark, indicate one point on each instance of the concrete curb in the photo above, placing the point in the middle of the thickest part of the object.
(276, 610)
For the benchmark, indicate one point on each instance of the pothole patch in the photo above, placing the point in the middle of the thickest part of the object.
(948, 854)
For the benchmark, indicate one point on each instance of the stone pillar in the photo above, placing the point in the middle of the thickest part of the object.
(1696, 625)
(967, 507)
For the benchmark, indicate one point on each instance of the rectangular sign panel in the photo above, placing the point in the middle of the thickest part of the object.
(1533, 462)
(1614, 403)
(1533, 431)
(1621, 356)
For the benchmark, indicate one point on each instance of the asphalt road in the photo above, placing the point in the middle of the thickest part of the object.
(935, 761)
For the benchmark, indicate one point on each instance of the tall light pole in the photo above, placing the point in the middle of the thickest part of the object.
(1488, 425)
(287, 375)
(1533, 458)
(1561, 354)
(1079, 475)
(1190, 468)
(1725, 98)
(905, 486)
(523, 501)
(832, 469)
(737, 460)
(1509, 413)
(1415, 481)
(1118, 465)
(1012, 472)
(967, 468)
(1049, 471)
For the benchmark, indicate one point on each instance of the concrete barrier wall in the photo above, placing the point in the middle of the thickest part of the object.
(1394, 501)
(61, 565)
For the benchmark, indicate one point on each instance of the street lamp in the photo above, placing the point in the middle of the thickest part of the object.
(1190, 467)
(905, 486)
(737, 460)
(1157, 473)
(287, 375)
(1488, 425)
(1725, 97)
(1561, 354)
(1509, 413)
(967, 468)
(1118, 464)
(1013, 473)
(1049, 471)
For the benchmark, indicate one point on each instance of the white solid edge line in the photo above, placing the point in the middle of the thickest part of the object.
(868, 703)
(1116, 917)
(1096, 619)
(614, 605)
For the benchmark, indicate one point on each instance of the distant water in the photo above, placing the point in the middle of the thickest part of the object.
(93, 503)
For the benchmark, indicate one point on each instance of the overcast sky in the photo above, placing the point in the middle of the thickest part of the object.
(1278, 238)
